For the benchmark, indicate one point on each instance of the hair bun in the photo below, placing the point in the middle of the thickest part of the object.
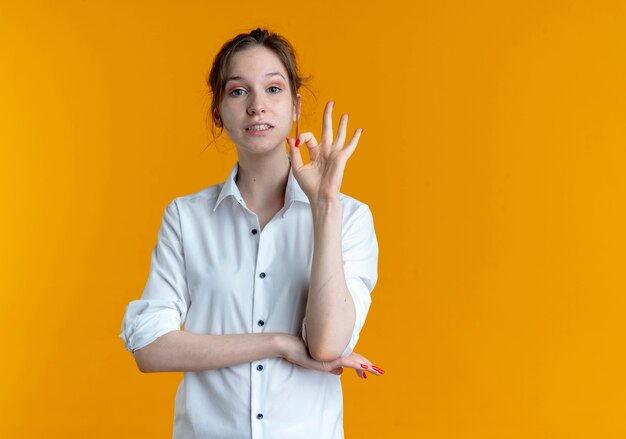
(259, 34)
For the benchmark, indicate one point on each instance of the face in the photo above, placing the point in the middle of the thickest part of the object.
(257, 108)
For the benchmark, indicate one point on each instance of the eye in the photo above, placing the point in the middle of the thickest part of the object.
(274, 89)
(237, 92)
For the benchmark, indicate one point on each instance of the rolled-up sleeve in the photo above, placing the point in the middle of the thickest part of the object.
(163, 305)
(360, 264)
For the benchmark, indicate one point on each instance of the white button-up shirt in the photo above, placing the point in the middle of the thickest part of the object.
(215, 272)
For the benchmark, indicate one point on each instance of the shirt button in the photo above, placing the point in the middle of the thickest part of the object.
(261, 323)
(262, 275)
(259, 367)
(259, 416)
(255, 231)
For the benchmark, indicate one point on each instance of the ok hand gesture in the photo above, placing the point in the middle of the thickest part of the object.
(320, 179)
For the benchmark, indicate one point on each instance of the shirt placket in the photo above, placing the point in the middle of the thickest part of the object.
(260, 309)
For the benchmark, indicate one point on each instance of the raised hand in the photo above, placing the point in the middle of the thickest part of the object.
(320, 179)
(295, 351)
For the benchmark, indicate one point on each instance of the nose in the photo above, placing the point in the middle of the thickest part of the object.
(256, 105)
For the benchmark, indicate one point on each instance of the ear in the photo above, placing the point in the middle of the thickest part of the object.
(297, 108)
(217, 120)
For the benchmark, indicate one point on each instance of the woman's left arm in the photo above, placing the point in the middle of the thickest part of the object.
(330, 310)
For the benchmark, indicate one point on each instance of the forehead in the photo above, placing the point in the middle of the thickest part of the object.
(255, 62)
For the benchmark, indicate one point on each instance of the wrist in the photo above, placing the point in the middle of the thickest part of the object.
(326, 208)
(281, 342)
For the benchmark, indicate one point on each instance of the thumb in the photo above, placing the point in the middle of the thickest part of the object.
(337, 371)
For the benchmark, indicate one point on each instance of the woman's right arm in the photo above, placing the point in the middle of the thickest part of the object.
(182, 351)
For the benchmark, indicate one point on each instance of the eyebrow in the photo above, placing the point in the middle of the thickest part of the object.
(239, 78)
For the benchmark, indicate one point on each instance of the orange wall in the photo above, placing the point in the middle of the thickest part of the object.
(493, 160)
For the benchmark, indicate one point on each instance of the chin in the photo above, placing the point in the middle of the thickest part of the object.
(264, 147)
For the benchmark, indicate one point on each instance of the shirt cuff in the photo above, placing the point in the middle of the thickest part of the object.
(139, 330)
(361, 297)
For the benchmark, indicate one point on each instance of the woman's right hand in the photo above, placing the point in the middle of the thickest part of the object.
(294, 350)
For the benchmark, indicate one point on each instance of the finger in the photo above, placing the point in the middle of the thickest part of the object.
(294, 155)
(310, 141)
(372, 368)
(337, 371)
(308, 138)
(361, 374)
(349, 149)
(341, 131)
(377, 370)
(327, 124)
(361, 364)
(364, 366)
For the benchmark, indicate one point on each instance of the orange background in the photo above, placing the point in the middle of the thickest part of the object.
(493, 159)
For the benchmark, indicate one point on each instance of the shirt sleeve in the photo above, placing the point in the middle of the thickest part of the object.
(163, 305)
(360, 264)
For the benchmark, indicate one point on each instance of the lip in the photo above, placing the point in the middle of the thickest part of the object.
(259, 132)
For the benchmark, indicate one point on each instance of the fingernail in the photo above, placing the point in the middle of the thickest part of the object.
(364, 376)
(364, 366)
(378, 369)
(297, 142)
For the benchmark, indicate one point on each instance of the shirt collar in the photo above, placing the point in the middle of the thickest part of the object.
(229, 188)
(293, 191)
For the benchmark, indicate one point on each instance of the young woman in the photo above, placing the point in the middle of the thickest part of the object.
(270, 272)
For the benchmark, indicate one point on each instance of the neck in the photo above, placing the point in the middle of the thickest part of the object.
(262, 179)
